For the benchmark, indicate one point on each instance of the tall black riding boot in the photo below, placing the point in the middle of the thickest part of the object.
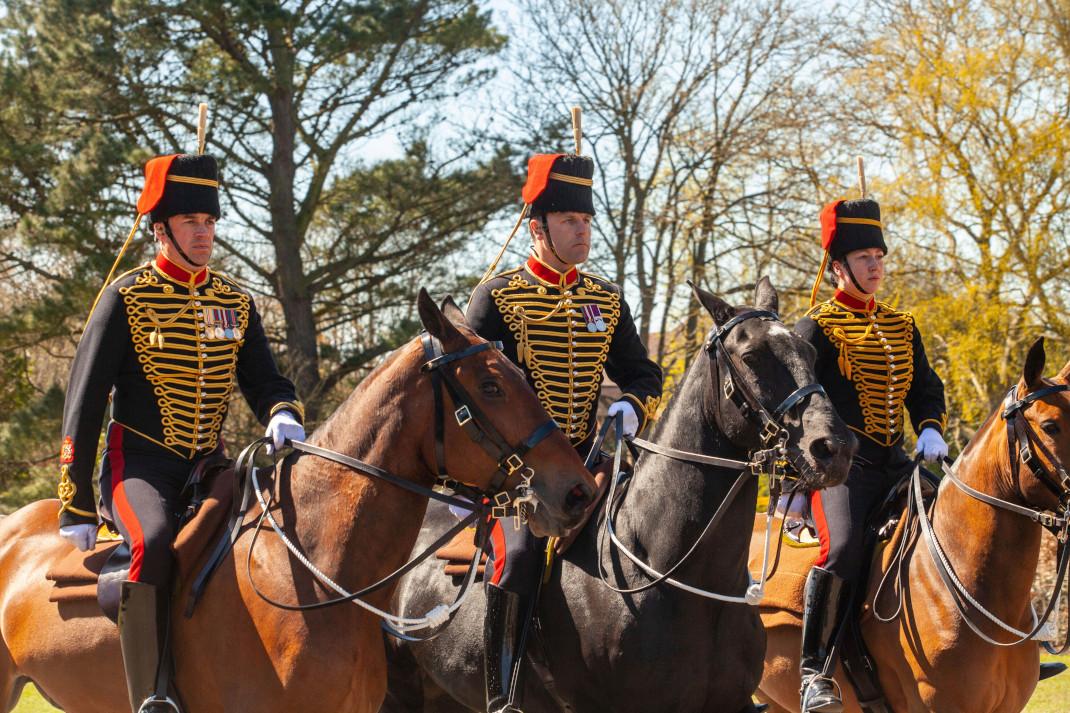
(143, 636)
(502, 631)
(823, 603)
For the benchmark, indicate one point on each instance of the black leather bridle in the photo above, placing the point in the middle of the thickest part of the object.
(472, 420)
(481, 431)
(769, 460)
(735, 388)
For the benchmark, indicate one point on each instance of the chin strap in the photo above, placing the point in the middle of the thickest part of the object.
(167, 229)
(851, 276)
(546, 229)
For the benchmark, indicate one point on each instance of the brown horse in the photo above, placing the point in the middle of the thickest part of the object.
(238, 653)
(928, 658)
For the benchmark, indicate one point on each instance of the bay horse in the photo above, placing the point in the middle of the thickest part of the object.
(662, 649)
(238, 653)
(928, 657)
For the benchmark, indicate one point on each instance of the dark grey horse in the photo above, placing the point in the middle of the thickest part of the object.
(663, 649)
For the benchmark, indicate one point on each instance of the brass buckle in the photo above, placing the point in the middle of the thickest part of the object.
(770, 431)
(463, 415)
(729, 387)
(513, 463)
(1047, 519)
(502, 499)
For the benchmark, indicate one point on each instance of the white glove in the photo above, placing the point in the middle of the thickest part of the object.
(81, 536)
(281, 428)
(931, 445)
(631, 419)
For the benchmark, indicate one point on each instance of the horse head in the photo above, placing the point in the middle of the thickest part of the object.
(503, 405)
(1040, 453)
(763, 383)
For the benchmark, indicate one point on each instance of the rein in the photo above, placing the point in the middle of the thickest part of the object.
(770, 461)
(1021, 437)
(479, 429)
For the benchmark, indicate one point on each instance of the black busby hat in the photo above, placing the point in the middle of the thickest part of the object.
(191, 186)
(560, 182)
(852, 225)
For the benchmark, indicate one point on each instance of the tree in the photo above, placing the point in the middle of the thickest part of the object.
(298, 90)
(971, 99)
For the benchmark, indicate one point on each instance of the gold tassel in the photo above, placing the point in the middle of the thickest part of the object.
(494, 265)
(107, 280)
(820, 276)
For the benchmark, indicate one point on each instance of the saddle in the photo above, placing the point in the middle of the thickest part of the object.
(800, 529)
(97, 573)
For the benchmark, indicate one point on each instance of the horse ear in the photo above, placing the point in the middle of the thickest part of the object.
(436, 323)
(765, 295)
(720, 310)
(1033, 371)
(452, 312)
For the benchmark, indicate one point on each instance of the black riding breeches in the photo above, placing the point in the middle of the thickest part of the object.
(141, 493)
(841, 512)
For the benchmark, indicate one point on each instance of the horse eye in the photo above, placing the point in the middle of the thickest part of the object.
(1050, 427)
(491, 388)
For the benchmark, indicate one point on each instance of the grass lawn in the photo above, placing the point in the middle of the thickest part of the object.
(1052, 696)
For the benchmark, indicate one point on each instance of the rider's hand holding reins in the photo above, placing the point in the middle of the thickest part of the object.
(931, 445)
(82, 536)
(631, 418)
(283, 427)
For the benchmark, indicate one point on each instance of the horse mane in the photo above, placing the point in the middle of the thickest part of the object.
(381, 371)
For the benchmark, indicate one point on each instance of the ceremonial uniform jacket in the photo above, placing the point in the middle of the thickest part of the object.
(872, 363)
(166, 345)
(564, 330)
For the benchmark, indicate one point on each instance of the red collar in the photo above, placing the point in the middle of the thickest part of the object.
(551, 276)
(853, 303)
(180, 274)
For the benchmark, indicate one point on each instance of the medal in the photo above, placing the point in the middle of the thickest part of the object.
(592, 315)
(222, 323)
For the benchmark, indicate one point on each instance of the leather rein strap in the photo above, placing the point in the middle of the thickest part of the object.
(472, 421)
(1021, 440)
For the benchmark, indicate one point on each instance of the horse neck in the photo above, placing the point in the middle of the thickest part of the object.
(993, 551)
(669, 502)
(357, 528)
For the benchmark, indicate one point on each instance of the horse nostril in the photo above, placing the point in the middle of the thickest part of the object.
(577, 498)
(823, 449)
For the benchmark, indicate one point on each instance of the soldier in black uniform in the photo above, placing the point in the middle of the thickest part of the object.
(164, 342)
(564, 327)
(871, 361)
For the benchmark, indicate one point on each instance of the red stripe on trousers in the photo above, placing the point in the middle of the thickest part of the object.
(818, 511)
(497, 537)
(122, 505)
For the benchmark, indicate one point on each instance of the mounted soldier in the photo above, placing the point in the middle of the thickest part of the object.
(164, 342)
(871, 361)
(564, 328)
